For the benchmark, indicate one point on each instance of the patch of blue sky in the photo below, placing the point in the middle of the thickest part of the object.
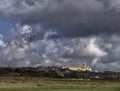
(5, 27)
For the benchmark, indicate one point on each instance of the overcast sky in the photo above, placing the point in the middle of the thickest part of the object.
(60, 32)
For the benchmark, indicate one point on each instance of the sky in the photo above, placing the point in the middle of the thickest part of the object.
(60, 32)
(5, 27)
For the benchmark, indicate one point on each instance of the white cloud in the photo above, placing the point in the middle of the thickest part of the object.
(26, 29)
(2, 44)
(94, 49)
(86, 47)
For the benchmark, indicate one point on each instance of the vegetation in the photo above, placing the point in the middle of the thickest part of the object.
(58, 72)
(63, 89)
(57, 79)
(36, 82)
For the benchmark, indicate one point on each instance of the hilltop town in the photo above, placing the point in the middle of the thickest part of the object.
(79, 67)
(80, 72)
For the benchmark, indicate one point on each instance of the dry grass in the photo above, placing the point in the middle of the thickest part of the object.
(26, 82)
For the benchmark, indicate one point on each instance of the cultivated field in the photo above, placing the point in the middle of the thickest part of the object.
(47, 84)
(63, 89)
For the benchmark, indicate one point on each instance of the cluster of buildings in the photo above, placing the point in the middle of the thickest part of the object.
(83, 67)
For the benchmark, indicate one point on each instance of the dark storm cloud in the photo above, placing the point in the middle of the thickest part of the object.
(29, 43)
(69, 18)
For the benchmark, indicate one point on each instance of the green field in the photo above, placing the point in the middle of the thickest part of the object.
(63, 89)
(53, 84)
